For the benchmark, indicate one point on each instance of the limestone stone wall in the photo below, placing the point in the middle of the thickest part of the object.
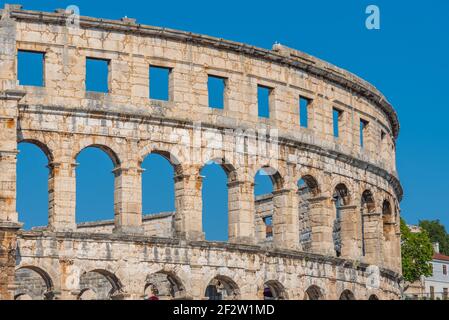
(154, 225)
(353, 188)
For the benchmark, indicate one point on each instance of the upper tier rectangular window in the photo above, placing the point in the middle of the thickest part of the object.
(336, 116)
(97, 75)
(363, 127)
(30, 68)
(304, 112)
(263, 101)
(160, 83)
(215, 89)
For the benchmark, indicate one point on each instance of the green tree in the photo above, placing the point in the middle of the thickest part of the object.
(437, 233)
(417, 252)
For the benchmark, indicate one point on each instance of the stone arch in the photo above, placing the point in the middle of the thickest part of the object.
(373, 297)
(167, 171)
(275, 176)
(274, 290)
(231, 190)
(167, 155)
(113, 155)
(341, 191)
(110, 181)
(172, 153)
(222, 288)
(44, 147)
(368, 202)
(387, 218)
(163, 285)
(347, 295)
(311, 183)
(99, 284)
(367, 206)
(307, 188)
(33, 282)
(341, 197)
(44, 174)
(388, 233)
(265, 208)
(314, 293)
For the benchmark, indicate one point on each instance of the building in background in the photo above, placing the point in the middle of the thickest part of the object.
(435, 287)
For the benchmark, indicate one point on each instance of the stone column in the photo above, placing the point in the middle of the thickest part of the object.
(188, 202)
(372, 223)
(62, 195)
(350, 235)
(241, 212)
(69, 280)
(286, 219)
(128, 198)
(321, 225)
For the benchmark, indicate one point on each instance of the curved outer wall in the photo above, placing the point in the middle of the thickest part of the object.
(63, 119)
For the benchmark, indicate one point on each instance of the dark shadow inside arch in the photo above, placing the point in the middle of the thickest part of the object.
(222, 288)
(158, 186)
(341, 198)
(387, 220)
(163, 286)
(367, 206)
(32, 184)
(273, 290)
(33, 283)
(95, 184)
(99, 285)
(215, 200)
(313, 293)
(307, 189)
(347, 295)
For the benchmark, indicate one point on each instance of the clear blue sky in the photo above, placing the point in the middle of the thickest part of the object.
(407, 59)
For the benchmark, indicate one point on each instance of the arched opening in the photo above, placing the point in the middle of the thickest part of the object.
(95, 184)
(347, 295)
(163, 286)
(313, 293)
(367, 206)
(307, 189)
(387, 220)
(266, 181)
(341, 198)
(215, 200)
(158, 186)
(373, 297)
(33, 284)
(98, 285)
(273, 290)
(32, 184)
(222, 288)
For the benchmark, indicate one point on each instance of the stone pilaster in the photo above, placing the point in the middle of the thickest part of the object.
(286, 219)
(372, 227)
(8, 215)
(62, 196)
(8, 245)
(350, 234)
(189, 205)
(321, 225)
(241, 212)
(128, 199)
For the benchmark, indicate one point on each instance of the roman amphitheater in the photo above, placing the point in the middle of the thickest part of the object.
(335, 202)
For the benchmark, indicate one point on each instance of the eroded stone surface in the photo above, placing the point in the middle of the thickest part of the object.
(350, 188)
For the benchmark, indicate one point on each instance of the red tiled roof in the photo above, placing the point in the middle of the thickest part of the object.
(439, 256)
